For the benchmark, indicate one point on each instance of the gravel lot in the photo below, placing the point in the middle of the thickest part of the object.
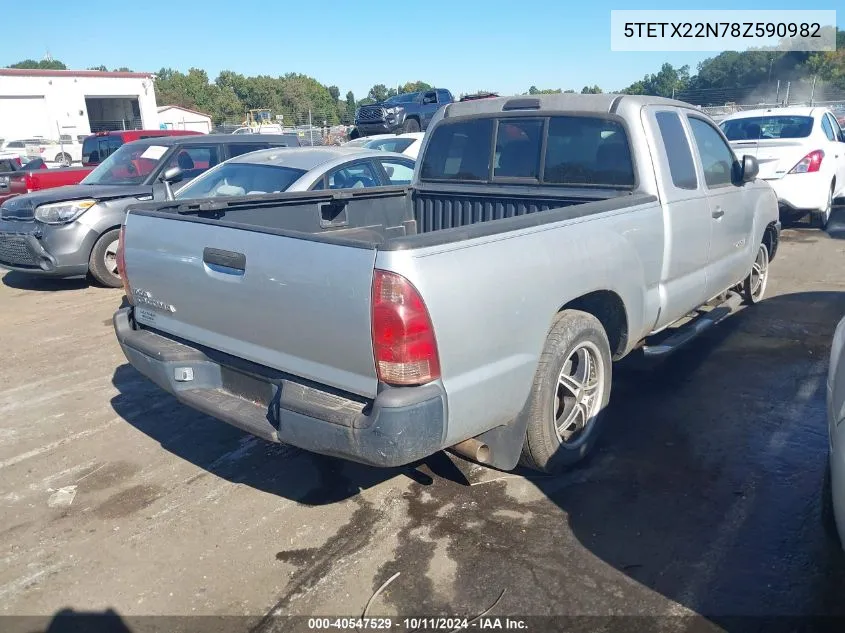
(703, 496)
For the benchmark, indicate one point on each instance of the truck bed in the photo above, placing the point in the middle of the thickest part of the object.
(392, 218)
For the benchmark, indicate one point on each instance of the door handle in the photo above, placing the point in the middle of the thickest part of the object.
(216, 259)
(718, 213)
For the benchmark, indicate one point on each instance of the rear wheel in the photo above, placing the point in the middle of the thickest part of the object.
(570, 391)
(828, 518)
(411, 125)
(102, 264)
(754, 286)
(64, 159)
(821, 218)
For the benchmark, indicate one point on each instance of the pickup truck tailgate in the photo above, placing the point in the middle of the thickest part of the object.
(290, 303)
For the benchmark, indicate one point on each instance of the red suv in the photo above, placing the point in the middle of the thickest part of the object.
(97, 147)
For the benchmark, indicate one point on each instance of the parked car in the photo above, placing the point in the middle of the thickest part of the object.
(39, 179)
(478, 309)
(73, 231)
(407, 112)
(408, 144)
(801, 152)
(97, 147)
(833, 502)
(36, 147)
(11, 167)
(301, 169)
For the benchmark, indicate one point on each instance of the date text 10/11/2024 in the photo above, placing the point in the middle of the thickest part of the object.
(417, 624)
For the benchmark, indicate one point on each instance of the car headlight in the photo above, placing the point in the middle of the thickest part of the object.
(62, 212)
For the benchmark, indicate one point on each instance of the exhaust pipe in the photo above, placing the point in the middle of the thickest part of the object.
(473, 449)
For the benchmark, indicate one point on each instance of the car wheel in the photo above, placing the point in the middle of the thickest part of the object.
(64, 159)
(821, 218)
(570, 392)
(102, 264)
(411, 125)
(754, 286)
(828, 517)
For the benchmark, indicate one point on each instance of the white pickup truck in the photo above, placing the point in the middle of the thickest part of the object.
(480, 309)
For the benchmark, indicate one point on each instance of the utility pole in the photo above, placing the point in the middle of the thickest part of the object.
(777, 93)
(786, 100)
(813, 91)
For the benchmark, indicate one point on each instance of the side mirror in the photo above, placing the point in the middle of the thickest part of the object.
(169, 177)
(750, 168)
(172, 175)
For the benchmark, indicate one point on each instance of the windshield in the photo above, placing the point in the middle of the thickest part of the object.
(129, 165)
(390, 144)
(767, 127)
(241, 179)
(404, 98)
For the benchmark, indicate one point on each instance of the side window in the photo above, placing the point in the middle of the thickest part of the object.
(398, 173)
(828, 128)
(518, 148)
(429, 97)
(678, 154)
(717, 159)
(194, 159)
(320, 185)
(443, 96)
(237, 149)
(358, 176)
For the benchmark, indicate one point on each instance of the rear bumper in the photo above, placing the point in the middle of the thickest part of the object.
(801, 193)
(52, 251)
(400, 426)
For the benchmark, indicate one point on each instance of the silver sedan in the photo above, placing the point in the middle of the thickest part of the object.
(301, 169)
(834, 494)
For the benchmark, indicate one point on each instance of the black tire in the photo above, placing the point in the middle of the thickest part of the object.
(411, 125)
(828, 519)
(544, 448)
(821, 218)
(354, 134)
(751, 292)
(64, 158)
(100, 269)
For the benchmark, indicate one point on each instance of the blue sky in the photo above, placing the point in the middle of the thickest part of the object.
(464, 45)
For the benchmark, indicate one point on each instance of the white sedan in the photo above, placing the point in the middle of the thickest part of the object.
(801, 153)
(291, 169)
(408, 144)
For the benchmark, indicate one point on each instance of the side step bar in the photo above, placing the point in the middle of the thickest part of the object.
(692, 329)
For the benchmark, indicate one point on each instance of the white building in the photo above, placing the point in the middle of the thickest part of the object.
(173, 117)
(50, 103)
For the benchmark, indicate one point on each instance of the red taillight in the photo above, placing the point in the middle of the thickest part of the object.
(810, 163)
(29, 182)
(120, 257)
(404, 347)
(17, 159)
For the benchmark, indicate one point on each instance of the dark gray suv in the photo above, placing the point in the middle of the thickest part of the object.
(408, 112)
(73, 231)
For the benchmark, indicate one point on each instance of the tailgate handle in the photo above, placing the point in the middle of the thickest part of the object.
(224, 259)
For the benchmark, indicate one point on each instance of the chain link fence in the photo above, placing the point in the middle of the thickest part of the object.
(722, 102)
(313, 127)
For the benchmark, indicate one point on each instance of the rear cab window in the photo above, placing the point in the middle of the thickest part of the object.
(677, 148)
(580, 151)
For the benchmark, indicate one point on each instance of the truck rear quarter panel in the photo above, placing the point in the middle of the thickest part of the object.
(493, 299)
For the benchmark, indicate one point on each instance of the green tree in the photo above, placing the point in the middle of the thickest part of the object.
(44, 64)
(101, 68)
(591, 90)
(334, 91)
(665, 83)
(414, 86)
(350, 107)
(379, 92)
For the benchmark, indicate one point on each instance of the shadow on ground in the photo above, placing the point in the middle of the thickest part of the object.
(23, 281)
(704, 490)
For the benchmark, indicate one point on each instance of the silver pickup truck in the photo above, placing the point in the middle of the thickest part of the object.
(480, 308)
